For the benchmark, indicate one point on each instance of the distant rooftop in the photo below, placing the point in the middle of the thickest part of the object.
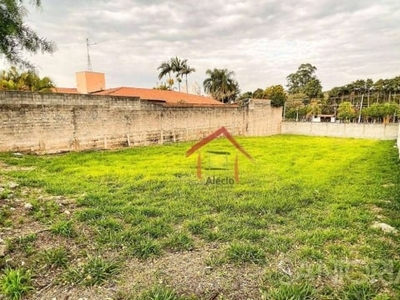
(94, 84)
(65, 90)
(170, 97)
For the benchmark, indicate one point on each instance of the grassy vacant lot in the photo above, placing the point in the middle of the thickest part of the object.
(138, 224)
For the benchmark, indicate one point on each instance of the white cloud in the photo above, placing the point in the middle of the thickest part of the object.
(261, 41)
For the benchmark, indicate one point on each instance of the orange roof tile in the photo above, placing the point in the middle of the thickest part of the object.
(170, 97)
(65, 90)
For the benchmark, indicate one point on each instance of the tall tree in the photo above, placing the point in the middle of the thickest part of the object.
(379, 87)
(277, 95)
(346, 111)
(305, 81)
(396, 87)
(177, 66)
(259, 94)
(221, 85)
(16, 36)
(166, 69)
(186, 70)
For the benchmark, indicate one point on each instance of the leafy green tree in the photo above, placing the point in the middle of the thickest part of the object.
(382, 111)
(296, 112)
(27, 81)
(277, 95)
(373, 112)
(305, 81)
(16, 36)
(246, 95)
(379, 87)
(369, 84)
(313, 88)
(346, 112)
(259, 94)
(380, 91)
(396, 87)
(221, 85)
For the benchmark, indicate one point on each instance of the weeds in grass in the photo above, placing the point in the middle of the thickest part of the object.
(110, 238)
(359, 291)
(54, 257)
(24, 243)
(95, 271)
(90, 214)
(145, 248)
(290, 292)
(244, 253)
(5, 193)
(275, 277)
(308, 252)
(215, 259)
(196, 227)
(109, 223)
(4, 217)
(44, 211)
(160, 293)
(15, 283)
(63, 228)
(155, 228)
(180, 241)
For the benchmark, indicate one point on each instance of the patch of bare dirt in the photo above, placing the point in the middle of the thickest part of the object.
(189, 274)
(7, 168)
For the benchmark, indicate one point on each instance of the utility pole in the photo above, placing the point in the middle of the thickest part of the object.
(361, 105)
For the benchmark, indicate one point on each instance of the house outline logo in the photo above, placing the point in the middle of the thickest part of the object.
(208, 139)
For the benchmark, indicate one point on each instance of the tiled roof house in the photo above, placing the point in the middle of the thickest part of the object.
(94, 83)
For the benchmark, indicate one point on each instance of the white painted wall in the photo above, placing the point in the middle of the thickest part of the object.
(348, 130)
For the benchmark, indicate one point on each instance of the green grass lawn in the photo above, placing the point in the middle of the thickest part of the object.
(300, 218)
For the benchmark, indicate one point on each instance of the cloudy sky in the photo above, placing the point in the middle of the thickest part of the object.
(262, 41)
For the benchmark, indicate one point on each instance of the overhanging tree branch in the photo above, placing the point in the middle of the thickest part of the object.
(16, 37)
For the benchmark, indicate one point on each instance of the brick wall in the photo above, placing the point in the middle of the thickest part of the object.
(49, 123)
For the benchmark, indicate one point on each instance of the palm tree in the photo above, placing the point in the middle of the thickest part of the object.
(166, 69)
(221, 85)
(314, 109)
(186, 70)
(32, 82)
(177, 66)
